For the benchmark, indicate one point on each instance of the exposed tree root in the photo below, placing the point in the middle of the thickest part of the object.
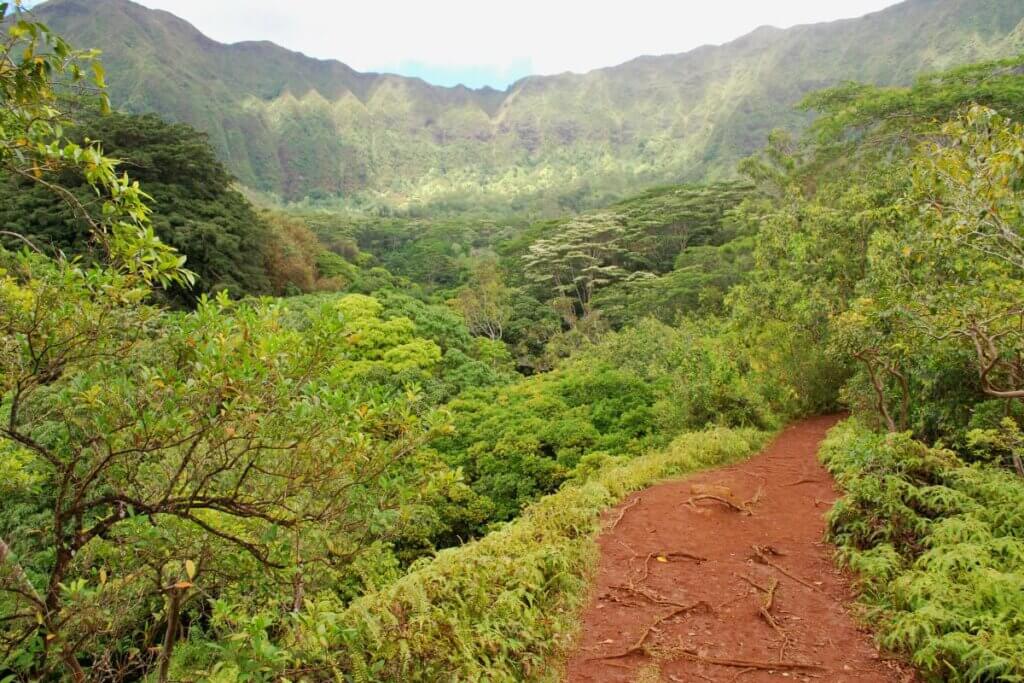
(639, 647)
(765, 610)
(740, 673)
(805, 480)
(648, 595)
(668, 556)
(611, 597)
(749, 505)
(684, 555)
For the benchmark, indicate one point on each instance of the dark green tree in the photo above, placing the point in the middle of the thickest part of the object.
(195, 208)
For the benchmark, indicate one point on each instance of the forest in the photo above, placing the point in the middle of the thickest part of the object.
(242, 442)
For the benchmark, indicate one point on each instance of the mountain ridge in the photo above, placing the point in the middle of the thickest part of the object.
(572, 138)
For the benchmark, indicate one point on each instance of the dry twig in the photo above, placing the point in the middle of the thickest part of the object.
(724, 501)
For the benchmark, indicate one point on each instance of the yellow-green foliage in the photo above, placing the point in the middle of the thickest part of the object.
(939, 547)
(498, 609)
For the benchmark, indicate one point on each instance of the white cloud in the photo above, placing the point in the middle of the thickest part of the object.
(551, 35)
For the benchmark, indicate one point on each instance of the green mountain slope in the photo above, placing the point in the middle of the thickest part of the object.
(295, 126)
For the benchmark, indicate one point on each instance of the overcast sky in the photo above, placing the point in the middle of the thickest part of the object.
(482, 42)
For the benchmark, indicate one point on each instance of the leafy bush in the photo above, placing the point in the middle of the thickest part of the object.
(939, 547)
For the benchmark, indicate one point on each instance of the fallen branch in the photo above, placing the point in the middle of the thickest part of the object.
(724, 501)
(803, 481)
(751, 664)
(622, 512)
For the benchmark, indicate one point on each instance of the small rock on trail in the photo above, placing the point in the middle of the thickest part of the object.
(724, 576)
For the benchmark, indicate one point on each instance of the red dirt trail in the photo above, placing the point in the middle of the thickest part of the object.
(724, 628)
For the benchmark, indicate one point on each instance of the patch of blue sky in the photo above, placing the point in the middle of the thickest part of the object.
(470, 75)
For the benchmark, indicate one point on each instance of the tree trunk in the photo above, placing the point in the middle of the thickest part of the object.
(171, 635)
(298, 591)
(77, 672)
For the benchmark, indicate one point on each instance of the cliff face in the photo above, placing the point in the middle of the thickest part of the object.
(295, 126)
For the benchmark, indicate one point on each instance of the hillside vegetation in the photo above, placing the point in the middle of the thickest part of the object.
(297, 127)
(394, 469)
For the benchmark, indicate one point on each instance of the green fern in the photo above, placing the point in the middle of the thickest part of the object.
(938, 547)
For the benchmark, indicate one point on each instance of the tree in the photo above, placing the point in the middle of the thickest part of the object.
(224, 426)
(195, 208)
(39, 74)
(970, 189)
(485, 302)
(584, 255)
(229, 448)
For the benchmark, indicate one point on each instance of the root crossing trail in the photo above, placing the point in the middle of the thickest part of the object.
(724, 577)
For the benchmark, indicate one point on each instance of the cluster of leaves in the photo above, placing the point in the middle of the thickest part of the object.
(939, 549)
(889, 242)
(40, 76)
(428, 345)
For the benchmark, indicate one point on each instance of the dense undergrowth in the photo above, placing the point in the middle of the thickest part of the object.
(938, 546)
(499, 609)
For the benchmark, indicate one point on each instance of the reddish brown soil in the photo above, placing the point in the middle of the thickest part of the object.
(788, 492)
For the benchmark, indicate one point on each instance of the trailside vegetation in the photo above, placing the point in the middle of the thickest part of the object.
(193, 485)
(937, 546)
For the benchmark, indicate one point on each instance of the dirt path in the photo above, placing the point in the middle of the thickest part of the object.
(725, 590)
